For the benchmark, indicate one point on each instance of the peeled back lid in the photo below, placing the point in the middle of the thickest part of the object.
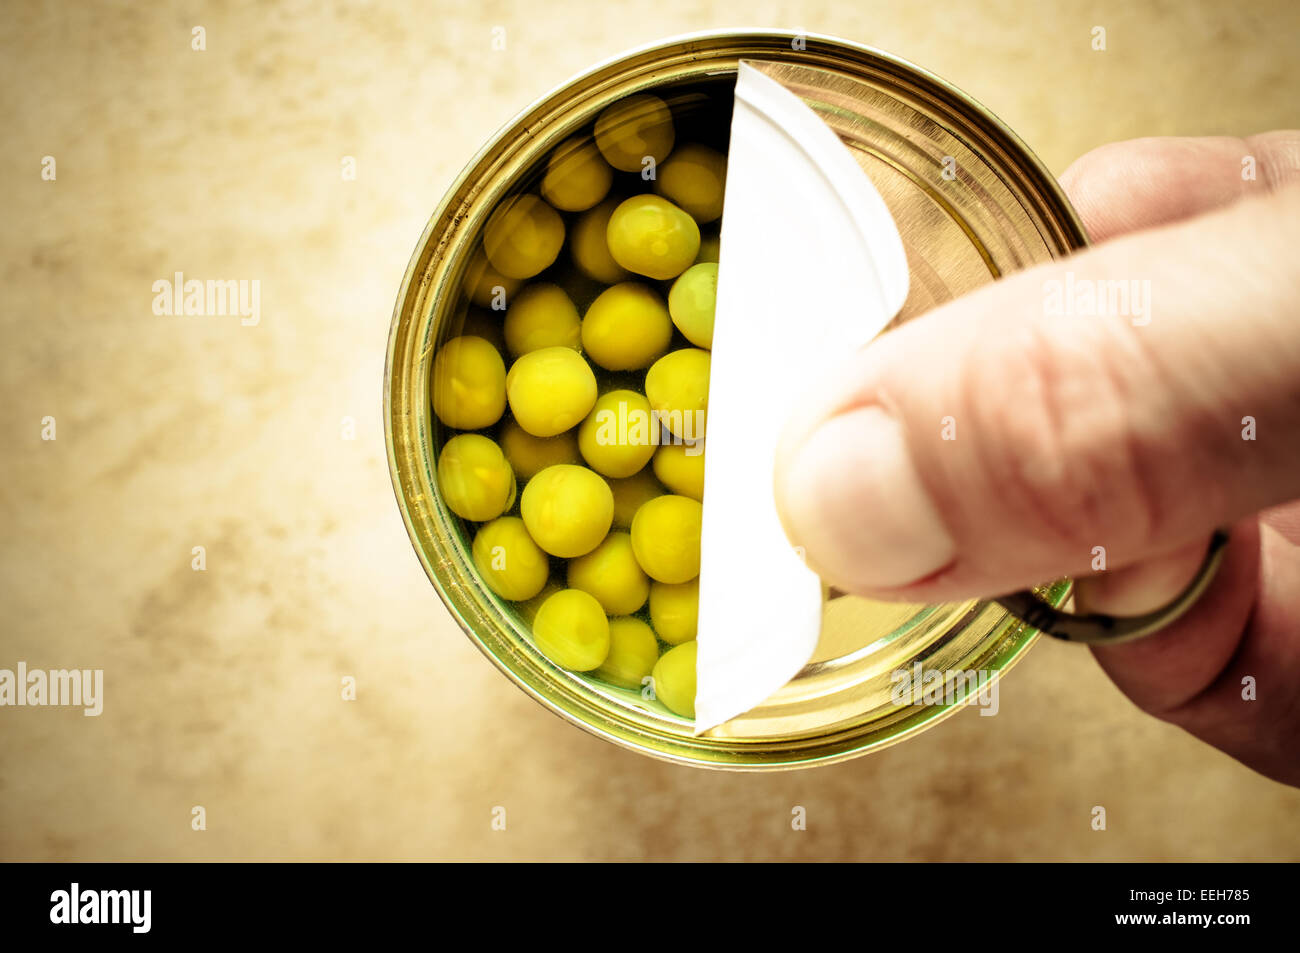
(850, 205)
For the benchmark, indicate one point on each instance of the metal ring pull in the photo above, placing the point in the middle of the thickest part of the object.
(1099, 628)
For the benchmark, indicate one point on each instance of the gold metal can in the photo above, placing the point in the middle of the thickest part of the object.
(972, 203)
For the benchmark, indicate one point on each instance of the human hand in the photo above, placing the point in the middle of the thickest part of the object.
(1136, 433)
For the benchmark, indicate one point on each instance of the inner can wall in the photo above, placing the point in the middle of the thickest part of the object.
(824, 718)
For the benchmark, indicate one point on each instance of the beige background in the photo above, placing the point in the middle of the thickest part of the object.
(223, 686)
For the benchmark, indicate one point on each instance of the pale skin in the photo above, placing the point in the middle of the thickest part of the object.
(1138, 434)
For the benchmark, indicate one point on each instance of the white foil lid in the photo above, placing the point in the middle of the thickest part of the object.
(812, 268)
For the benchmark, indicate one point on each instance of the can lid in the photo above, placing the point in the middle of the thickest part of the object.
(812, 268)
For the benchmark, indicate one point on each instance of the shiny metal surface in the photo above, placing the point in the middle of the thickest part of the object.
(972, 204)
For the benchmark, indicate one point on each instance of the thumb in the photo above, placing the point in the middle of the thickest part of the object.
(1009, 437)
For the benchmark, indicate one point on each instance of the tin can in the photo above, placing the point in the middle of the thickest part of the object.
(972, 203)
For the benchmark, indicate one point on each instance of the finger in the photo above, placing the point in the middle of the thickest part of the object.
(1143, 587)
(1142, 183)
(1229, 673)
(1250, 708)
(1031, 444)
(1285, 519)
(1167, 670)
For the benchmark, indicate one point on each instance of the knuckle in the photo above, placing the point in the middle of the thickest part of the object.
(1276, 152)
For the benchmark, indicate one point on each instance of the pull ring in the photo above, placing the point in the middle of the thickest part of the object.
(1099, 628)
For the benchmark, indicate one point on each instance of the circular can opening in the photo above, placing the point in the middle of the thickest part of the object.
(977, 204)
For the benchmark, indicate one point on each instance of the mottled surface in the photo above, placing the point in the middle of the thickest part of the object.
(223, 687)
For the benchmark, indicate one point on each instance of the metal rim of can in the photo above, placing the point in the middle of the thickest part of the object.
(432, 279)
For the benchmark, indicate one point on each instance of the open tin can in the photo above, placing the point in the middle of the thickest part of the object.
(972, 203)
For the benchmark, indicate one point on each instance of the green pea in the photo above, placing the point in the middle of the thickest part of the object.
(630, 493)
(692, 302)
(468, 384)
(651, 236)
(710, 249)
(694, 178)
(550, 390)
(666, 537)
(529, 455)
(568, 510)
(611, 573)
(619, 436)
(589, 246)
(487, 286)
(677, 385)
(523, 236)
(475, 478)
(572, 631)
(513, 566)
(674, 679)
(681, 468)
(675, 610)
(627, 327)
(633, 130)
(633, 652)
(541, 315)
(577, 176)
